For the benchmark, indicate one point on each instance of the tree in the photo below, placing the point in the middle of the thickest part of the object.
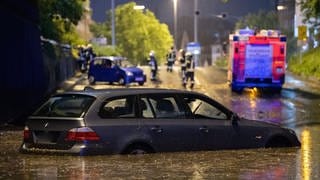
(139, 32)
(311, 11)
(58, 19)
(261, 20)
(101, 29)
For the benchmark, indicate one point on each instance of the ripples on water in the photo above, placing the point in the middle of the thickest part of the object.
(277, 163)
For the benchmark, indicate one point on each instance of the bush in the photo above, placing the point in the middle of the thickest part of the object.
(222, 61)
(105, 50)
(308, 65)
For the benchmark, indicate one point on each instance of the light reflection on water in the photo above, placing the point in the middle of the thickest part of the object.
(250, 105)
(277, 163)
(273, 163)
(309, 156)
(305, 154)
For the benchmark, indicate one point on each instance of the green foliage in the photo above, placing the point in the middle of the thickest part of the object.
(58, 19)
(222, 61)
(139, 32)
(261, 20)
(105, 50)
(101, 29)
(307, 65)
(311, 9)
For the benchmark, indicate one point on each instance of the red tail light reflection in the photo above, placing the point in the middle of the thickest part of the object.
(26, 133)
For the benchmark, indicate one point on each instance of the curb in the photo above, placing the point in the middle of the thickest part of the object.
(69, 84)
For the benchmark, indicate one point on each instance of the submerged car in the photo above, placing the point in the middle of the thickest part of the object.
(114, 69)
(140, 120)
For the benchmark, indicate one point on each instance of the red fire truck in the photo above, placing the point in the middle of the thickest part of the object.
(257, 59)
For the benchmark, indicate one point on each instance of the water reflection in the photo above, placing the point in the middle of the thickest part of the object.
(277, 163)
(309, 156)
(246, 164)
(305, 155)
(264, 106)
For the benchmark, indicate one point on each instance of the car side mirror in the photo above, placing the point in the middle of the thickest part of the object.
(234, 119)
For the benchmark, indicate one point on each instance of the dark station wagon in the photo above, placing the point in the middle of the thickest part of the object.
(140, 120)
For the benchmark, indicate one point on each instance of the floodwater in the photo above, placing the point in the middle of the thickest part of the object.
(295, 107)
(274, 163)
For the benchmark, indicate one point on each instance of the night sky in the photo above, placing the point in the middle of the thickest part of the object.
(163, 9)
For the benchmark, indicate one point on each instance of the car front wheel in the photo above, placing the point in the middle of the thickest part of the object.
(91, 80)
(121, 81)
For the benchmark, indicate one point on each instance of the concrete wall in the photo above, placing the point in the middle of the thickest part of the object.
(28, 72)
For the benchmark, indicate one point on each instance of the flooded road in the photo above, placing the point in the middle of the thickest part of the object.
(294, 107)
(278, 163)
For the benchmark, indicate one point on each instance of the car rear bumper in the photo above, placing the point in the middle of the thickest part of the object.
(80, 149)
(257, 85)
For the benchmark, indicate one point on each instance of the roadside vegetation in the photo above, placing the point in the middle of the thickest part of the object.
(309, 63)
(58, 20)
(222, 61)
(137, 33)
(306, 65)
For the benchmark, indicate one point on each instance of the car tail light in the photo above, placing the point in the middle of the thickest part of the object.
(26, 133)
(82, 134)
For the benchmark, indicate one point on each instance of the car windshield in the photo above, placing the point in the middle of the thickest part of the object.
(65, 106)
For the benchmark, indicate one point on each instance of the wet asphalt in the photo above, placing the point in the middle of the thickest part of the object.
(296, 107)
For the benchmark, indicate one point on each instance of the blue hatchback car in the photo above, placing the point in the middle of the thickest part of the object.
(114, 69)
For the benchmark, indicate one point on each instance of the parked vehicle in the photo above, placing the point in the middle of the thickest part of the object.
(140, 120)
(114, 69)
(257, 59)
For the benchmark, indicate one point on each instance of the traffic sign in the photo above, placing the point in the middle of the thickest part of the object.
(302, 33)
(194, 48)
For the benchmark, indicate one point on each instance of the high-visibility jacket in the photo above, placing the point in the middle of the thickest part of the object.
(190, 64)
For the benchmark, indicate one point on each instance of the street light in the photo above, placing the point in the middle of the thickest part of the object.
(139, 7)
(281, 7)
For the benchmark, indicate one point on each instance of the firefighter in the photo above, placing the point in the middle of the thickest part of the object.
(82, 58)
(190, 66)
(154, 66)
(182, 59)
(89, 53)
(171, 56)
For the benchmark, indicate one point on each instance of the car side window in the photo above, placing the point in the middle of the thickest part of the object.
(161, 107)
(98, 62)
(146, 110)
(201, 108)
(122, 107)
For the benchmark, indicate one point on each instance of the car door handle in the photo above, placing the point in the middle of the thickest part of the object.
(204, 129)
(156, 129)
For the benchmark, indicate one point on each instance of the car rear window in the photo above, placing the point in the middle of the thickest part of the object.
(65, 106)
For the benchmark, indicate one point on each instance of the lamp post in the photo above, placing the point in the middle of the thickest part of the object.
(142, 8)
(113, 29)
(175, 2)
(196, 13)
